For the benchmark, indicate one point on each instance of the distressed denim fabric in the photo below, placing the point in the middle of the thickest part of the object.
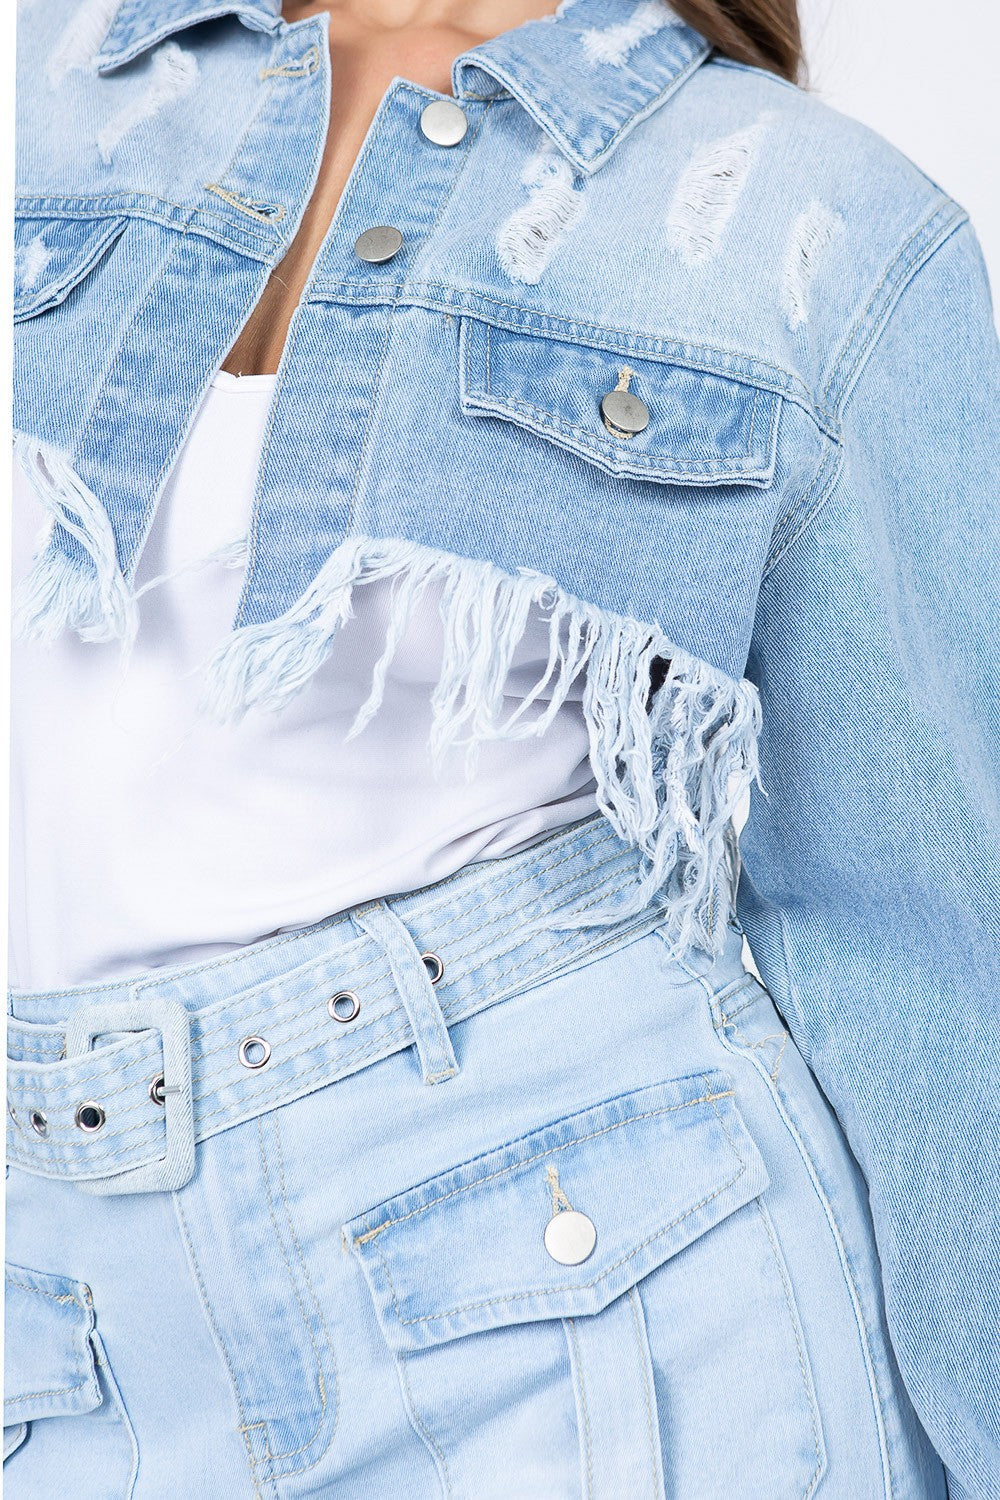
(353, 1294)
(798, 550)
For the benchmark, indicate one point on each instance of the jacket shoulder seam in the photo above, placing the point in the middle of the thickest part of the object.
(933, 232)
(787, 532)
(934, 229)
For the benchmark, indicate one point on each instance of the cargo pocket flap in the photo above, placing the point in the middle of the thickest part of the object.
(50, 1369)
(701, 427)
(51, 256)
(651, 1170)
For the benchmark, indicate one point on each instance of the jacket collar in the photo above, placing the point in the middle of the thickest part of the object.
(140, 24)
(587, 75)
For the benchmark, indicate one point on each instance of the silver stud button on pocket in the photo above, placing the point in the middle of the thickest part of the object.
(443, 122)
(623, 413)
(570, 1237)
(379, 243)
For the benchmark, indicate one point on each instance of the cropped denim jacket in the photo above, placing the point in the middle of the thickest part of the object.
(787, 528)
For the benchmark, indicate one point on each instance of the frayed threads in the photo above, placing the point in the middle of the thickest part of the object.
(669, 776)
(78, 587)
(528, 239)
(811, 235)
(671, 780)
(707, 194)
(705, 730)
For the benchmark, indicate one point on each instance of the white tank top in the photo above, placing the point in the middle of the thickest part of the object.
(144, 833)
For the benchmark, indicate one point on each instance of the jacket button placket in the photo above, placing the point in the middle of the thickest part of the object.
(325, 414)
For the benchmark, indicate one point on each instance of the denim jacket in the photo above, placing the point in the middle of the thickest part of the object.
(783, 520)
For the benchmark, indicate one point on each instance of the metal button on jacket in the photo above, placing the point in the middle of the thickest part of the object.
(623, 413)
(379, 243)
(443, 122)
(570, 1237)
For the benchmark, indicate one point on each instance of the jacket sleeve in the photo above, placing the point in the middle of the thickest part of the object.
(870, 884)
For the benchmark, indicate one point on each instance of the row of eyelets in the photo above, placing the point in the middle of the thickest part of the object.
(88, 1117)
(254, 1052)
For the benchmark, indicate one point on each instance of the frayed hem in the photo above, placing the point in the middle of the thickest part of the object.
(78, 587)
(670, 769)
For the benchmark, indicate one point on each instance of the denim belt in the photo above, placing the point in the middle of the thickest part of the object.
(184, 1053)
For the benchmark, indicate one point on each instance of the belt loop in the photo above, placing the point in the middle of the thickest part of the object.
(430, 1030)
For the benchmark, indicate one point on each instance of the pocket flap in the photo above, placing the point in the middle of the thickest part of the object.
(50, 1370)
(51, 256)
(703, 428)
(652, 1170)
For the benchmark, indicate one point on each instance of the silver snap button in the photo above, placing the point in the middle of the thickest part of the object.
(344, 1006)
(39, 1123)
(623, 413)
(89, 1116)
(434, 967)
(254, 1052)
(379, 243)
(570, 1237)
(444, 122)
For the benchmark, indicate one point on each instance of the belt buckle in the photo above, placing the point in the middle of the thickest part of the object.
(172, 1021)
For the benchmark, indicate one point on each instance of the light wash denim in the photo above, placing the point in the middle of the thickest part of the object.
(352, 1295)
(805, 529)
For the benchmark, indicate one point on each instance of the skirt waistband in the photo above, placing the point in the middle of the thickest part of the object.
(184, 1053)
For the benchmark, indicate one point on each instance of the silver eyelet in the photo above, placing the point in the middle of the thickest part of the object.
(156, 1090)
(39, 1123)
(89, 1116)
(250, 1047)
(344, 1006)
(435, 967)
(12, 1112)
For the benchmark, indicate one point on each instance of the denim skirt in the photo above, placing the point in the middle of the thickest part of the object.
(481, 1192)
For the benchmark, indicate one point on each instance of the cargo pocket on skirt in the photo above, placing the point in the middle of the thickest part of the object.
(65, 1428)
(532, 1298)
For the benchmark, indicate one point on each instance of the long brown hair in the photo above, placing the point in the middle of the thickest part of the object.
(765, 33)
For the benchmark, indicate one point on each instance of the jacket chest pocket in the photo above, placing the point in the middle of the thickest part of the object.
(73, 287)
(634, 416)
(52, 256)
(543, 1300)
